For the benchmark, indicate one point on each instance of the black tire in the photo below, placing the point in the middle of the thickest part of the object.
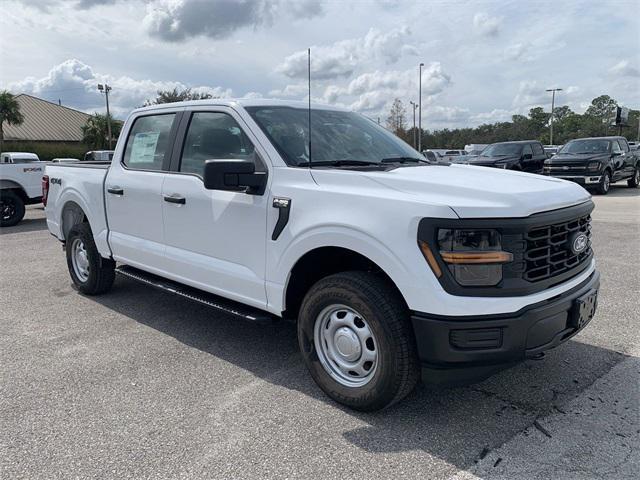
(397, 369)
(11, 208)
(634, 181)
(605, 183)
(100, 272)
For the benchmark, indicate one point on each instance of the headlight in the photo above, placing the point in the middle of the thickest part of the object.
(474, 257)
(593, 166)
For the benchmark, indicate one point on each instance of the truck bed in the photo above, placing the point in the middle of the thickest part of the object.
(73, 185)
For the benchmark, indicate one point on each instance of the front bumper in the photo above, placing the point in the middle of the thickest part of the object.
(483, 344)
(580, 179)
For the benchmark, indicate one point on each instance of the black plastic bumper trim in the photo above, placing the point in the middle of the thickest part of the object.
(525, 333)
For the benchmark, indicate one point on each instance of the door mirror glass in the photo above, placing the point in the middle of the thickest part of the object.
(236, 175)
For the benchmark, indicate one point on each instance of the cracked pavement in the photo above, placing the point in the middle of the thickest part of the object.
(139, 384)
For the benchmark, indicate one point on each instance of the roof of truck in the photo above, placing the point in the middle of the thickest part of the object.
(244, 102)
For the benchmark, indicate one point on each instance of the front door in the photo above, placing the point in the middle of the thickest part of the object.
(133, 190)
(215, 240)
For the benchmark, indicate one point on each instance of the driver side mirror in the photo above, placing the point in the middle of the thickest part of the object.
(527, 156)
(234, 176)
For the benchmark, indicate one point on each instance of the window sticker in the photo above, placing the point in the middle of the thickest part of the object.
(144, 146)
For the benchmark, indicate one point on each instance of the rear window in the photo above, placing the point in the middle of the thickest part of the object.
(537, 149)
(149, 142)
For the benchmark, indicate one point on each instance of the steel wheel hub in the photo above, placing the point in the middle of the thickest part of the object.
(345, 345)
(80, 260)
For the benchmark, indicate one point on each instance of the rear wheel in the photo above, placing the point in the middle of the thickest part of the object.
(634, 181)
(91, 273)
(11, 208)
(605, 183)
(357, 342)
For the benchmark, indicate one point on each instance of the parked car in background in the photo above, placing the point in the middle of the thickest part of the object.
(18, 157)
(20, 185)
(431, 156)
(98, 156)
(391, 267)
(595, 163)
(526, 156)
(446, 155)
(634, 145)
(65, 160)
(551, 150)
(475, 148)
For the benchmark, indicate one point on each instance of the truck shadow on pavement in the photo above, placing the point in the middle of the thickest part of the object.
(622, 190)
(458, 425)
(26, 225)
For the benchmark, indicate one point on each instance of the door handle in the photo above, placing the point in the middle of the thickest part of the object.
(115, 190)
(175, 199)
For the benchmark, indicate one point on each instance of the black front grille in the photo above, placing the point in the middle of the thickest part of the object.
(548, 249)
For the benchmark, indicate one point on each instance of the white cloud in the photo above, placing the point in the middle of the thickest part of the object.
(517, 51)
(342, 58)
(486, 25)
(295, 90)
(530, 94)
(177, 20)
(75, 83)
(446, 115)
(625, 69)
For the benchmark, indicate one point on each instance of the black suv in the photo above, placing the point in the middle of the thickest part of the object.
(526, 155)
(596, 162)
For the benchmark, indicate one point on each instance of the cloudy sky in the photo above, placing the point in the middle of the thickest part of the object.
(484, 61)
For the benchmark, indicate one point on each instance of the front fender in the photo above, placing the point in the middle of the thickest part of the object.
(331, 236)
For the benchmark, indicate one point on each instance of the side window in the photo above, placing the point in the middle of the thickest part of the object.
(214, 136)
(616, 147)
(527, 150)
(623, 145)
(148, 142)
(537, 149)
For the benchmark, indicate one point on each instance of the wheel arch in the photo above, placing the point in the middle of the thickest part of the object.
(320, 262)
(71, 214)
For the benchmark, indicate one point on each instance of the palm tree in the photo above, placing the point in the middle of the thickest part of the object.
(9, 113)
(95, 132)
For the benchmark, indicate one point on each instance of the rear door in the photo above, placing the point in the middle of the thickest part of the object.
(215, 240)
(133, 191)
(628, 159)
(528, 162)
(539, 156)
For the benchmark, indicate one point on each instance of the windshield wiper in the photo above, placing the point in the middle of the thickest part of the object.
(404, 160)
(339, 163)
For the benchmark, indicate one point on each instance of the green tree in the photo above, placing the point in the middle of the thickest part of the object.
(602, 109)
(95, 132)
(9, 113)
(175, 95)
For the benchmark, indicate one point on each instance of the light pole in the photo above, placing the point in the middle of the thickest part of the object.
(553, 104)
(106, 89)
(414, 105)
(420, 108)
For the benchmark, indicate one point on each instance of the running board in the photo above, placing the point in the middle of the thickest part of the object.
(200, 296)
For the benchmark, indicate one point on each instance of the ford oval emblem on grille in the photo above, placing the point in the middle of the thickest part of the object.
(579, 243)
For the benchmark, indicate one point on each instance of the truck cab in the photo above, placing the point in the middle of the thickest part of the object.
(524, 156)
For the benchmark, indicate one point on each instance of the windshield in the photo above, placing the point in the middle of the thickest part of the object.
(502, 149)
(586, 146)
(337, 137)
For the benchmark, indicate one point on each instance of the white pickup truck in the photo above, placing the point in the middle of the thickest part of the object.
(20, 185)
(391, 266)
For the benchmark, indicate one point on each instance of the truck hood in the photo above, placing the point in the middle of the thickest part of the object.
(480, 192)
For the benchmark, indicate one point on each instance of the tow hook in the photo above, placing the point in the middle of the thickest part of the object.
(539, 356)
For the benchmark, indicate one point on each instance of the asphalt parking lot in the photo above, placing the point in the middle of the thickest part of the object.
(139, 384)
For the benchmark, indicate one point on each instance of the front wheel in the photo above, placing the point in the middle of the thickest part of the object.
(91, 273)
(634, 181)
(11, 208)
(605, 183)
(357, 342)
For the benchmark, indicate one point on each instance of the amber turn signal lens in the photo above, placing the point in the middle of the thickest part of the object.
(467, 258)
(431, 260)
